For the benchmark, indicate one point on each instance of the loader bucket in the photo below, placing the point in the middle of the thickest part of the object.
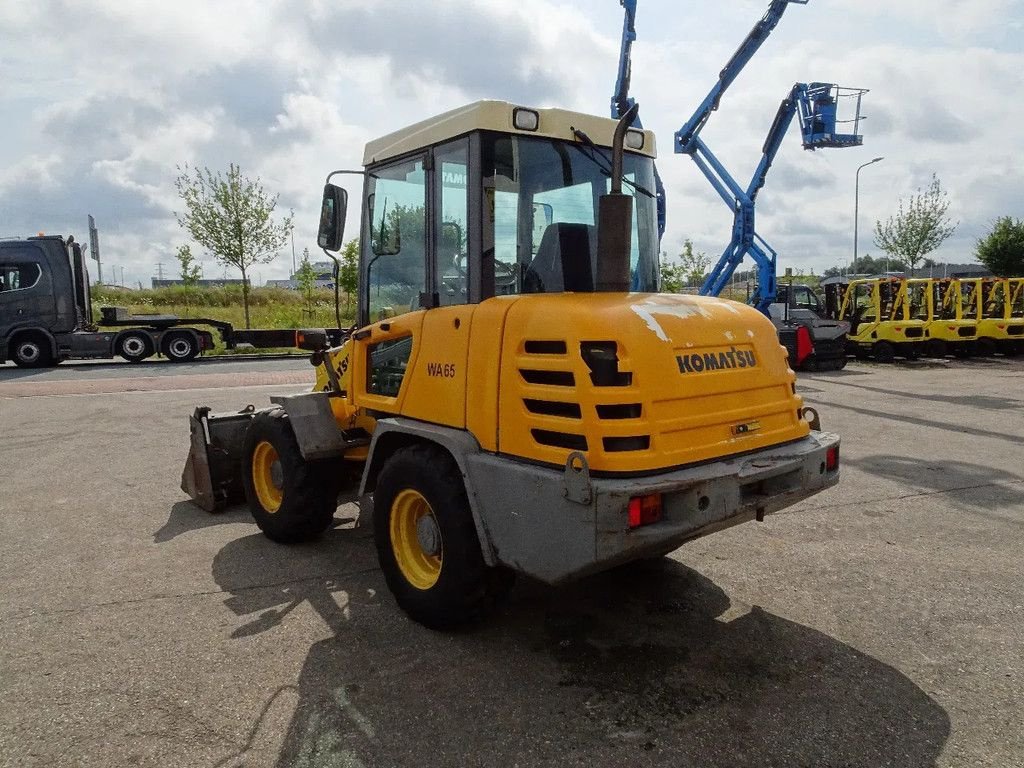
(213, 470)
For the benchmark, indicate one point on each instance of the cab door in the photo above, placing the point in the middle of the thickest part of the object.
(26, 289)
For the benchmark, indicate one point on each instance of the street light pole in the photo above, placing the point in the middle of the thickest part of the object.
(856, 208)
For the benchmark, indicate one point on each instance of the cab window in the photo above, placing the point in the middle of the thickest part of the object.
(451, 190)
(17, 277)
(394, 261)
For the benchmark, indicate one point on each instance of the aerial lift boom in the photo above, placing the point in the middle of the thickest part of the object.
(816, 105)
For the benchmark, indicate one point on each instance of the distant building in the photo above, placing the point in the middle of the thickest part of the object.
(324, 277)
(204, 283)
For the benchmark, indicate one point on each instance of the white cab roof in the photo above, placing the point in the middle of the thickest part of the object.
(495, 116)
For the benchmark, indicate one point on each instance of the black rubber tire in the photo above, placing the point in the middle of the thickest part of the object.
(883, 352)
(467, 590)
(31, 350)
(180, 346)
(134, 346)
(935, 348)
(986, 347)
(310, 489)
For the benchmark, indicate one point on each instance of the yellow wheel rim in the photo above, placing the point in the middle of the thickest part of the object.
(266, 477)
(415, 539)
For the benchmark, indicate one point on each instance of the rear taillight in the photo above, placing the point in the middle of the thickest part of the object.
(832, 458)
(644, 510)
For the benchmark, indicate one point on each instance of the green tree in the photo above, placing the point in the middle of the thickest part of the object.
(672, 276)
(1002, 249)
(190, 269)
(918, 228)
(689, 271)
(348, 277)
(694, 263)
(306, 278)
(232, 217)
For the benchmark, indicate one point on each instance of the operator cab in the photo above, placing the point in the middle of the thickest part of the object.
(494, 200)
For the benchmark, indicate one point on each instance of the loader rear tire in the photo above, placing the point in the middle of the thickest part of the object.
(427, 542)
(291, 499)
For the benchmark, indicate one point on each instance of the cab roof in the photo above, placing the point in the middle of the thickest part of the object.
(496, 116)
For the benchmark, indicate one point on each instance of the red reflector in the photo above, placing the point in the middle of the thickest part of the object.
(832, 458)
(644, 510)
(804, 345)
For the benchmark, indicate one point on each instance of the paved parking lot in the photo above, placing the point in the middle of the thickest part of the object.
(880, 624)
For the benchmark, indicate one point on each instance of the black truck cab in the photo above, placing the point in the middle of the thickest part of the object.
(46, 312)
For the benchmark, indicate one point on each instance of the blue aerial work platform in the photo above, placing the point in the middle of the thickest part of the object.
(816, 105)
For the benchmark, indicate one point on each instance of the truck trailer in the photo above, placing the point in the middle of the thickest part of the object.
(46, 315)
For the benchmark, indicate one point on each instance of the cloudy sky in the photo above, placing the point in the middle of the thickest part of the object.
(102, 99)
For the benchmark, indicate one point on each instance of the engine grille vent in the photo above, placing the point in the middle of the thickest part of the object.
(602, 359)
(552, 408)
(560, 439)
(551, 378)
(624, 411)
(545, 348)
(622, 444)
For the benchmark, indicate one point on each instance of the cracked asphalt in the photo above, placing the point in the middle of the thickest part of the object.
(879, 624)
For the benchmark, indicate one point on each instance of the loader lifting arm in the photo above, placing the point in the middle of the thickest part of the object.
(622, 102)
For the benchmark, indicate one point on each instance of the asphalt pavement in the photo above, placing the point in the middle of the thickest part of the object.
(878, 624)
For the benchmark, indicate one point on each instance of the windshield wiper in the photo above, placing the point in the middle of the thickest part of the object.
(595, 156)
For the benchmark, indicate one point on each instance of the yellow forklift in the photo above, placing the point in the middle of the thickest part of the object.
(517, 397)
(1001, 316)
(884, 317)
(953, 326)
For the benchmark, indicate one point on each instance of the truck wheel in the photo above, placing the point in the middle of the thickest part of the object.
(291, 499)
(884, 352)
(31, 351)
(427, 542)
(134, 346)
(180, 347)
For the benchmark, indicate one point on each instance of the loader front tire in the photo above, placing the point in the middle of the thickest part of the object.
(427, 542)
(291, 499)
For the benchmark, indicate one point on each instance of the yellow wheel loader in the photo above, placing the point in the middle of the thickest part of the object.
(517, 397)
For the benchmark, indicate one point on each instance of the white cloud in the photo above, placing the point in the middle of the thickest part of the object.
(295, 88)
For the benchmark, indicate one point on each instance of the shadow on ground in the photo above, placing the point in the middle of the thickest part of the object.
(642, 665)
(186, 516)
(985, 402)
(976, 488)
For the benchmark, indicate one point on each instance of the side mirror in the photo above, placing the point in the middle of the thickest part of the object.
(311, 339)
(332, 218)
